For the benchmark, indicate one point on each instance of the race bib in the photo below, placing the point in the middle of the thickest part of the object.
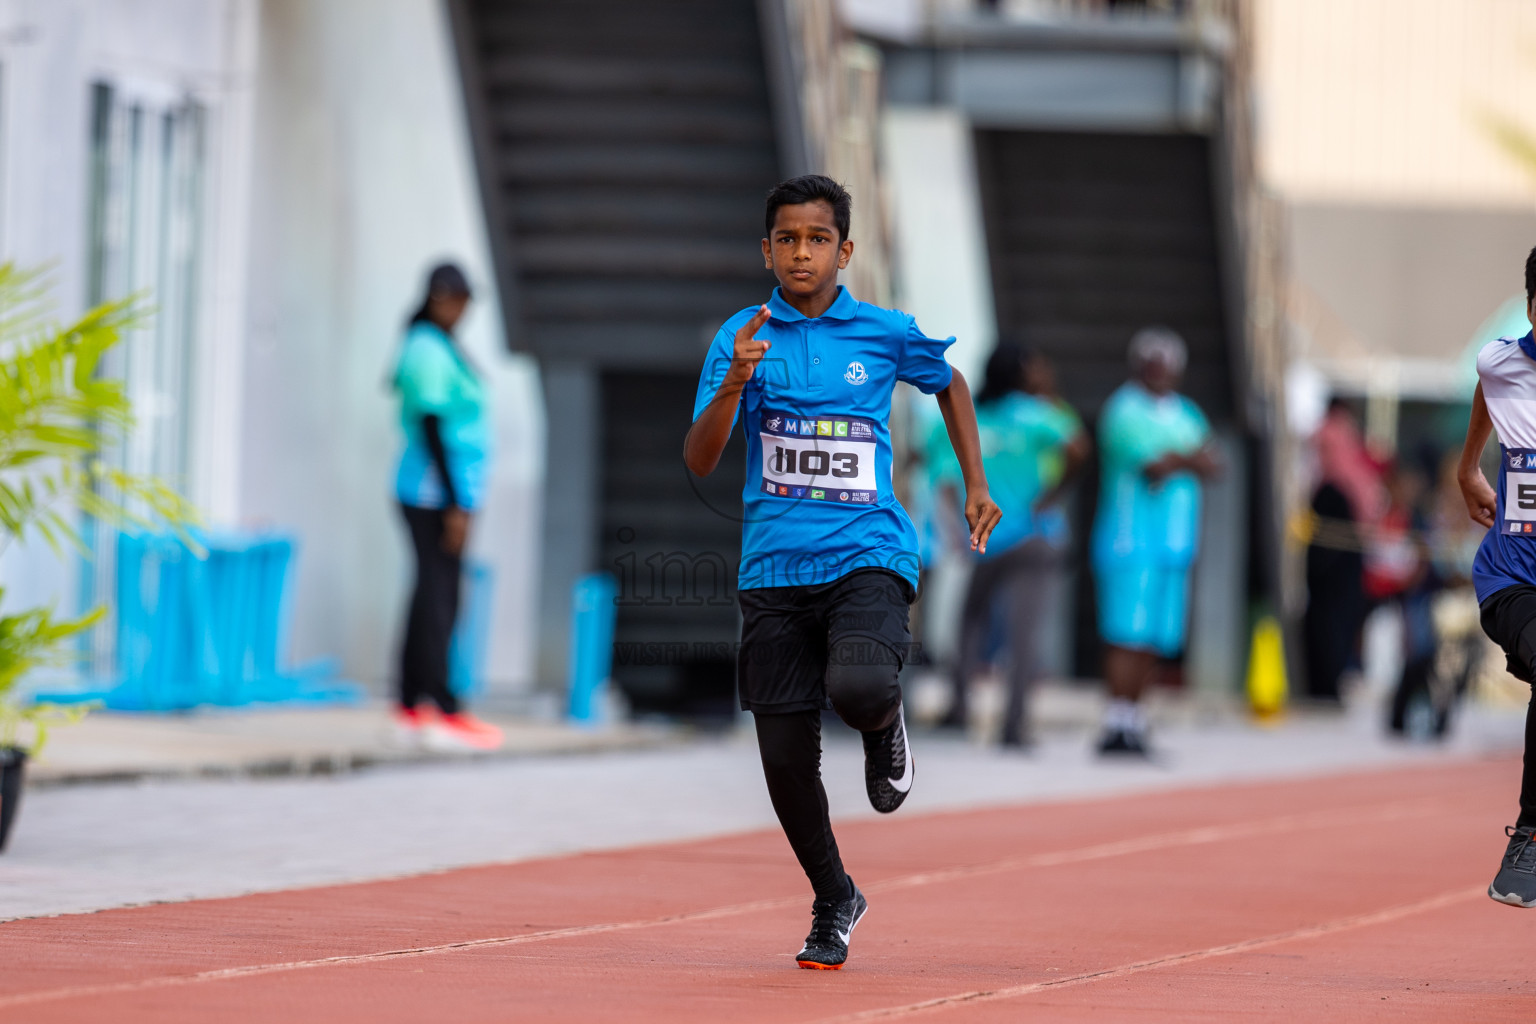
(1519, 492)
(828, 458)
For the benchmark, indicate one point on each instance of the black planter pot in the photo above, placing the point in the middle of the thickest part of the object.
(13, 762)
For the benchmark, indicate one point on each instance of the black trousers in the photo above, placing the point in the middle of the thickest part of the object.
(1336, 603)
(837, 645)
(434, 610)
(1509, 619)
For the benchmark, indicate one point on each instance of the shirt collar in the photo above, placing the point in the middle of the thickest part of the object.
(844, 307)
(1527, 345)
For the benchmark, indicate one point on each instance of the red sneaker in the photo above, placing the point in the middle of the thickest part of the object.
(464, 731)
(408, 725)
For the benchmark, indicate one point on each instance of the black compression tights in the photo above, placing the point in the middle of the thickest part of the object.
(791, 749)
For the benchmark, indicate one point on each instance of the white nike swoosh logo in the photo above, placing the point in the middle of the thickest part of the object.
(904, 783)
(844, 936)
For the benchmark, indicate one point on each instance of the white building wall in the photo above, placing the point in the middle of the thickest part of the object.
(52, 52)
(932, 187)
(337, 170)
(363, 179)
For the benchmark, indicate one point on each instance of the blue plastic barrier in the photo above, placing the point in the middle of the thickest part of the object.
(466, 656)
(206, 631)
(592, 618)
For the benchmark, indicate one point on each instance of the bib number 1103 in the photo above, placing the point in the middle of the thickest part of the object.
(789, 462)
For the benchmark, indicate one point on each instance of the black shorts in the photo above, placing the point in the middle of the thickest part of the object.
(1509, 619)
(787, 633)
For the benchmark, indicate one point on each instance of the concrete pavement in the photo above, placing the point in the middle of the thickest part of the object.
(115, 747)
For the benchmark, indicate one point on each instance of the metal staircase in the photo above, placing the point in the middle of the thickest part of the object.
(624, 149)
(1094, 235)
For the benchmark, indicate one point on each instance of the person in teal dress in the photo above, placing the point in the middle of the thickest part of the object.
(1155, 451)
(439, 483)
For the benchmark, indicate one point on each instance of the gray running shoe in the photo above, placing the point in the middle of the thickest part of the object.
(888, 765)
(1515, 884)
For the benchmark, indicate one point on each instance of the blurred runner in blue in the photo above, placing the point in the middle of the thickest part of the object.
(1155, 449)
(439, 484)
(1031, 447)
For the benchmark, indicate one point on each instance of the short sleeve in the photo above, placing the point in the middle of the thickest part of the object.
(1126, 437)
(716, 364)
(426, 378)
(1059, 425)
(922, 361)
(1489, 372)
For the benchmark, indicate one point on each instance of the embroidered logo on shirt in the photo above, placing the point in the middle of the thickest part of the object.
(856, 374)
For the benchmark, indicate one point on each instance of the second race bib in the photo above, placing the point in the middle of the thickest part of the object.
(828, 458)
(1519, 512)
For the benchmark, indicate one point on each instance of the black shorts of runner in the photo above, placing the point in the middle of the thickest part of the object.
(1509, 619)
(787, 634)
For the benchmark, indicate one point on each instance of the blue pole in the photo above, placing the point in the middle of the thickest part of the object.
(592, 619)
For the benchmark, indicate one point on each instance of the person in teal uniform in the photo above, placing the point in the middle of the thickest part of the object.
(1031, 448)
(1155, 452)
(439, 483)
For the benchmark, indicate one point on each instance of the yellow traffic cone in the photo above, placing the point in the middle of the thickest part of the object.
(1266, 669)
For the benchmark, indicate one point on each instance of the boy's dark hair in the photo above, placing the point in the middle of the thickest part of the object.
(1530, 275)
(811, 188)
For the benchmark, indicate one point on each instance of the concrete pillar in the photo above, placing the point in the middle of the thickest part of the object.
(572, 467)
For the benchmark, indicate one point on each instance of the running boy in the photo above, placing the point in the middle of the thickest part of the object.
(1504, 573)
(828, 555)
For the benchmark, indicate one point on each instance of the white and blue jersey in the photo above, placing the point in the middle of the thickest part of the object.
(1506, 368)
(818, 502)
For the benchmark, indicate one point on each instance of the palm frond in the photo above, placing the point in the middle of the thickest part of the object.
(1512, 137)
(59, 414)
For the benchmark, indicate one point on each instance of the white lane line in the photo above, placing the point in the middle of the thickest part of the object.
(1343, 924)
(1098, 851)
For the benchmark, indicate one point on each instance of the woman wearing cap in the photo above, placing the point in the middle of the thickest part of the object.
(439, 485)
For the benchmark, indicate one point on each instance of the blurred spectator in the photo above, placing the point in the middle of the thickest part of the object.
(1155, 449)
(1032, 448)
(1399, 569)
(1347, 503)
(440, 483)
(1427, 517)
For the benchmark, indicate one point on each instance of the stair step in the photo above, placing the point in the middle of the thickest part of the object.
(578, 75)
(650, 119)
(725, 211)
(639, 166)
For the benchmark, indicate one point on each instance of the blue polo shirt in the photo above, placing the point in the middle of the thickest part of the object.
(818, 501)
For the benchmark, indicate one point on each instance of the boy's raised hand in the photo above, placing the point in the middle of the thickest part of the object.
(749, 351)
(982, 513)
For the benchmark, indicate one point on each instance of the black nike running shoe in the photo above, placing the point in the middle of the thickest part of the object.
(832, 922)
(1124, 743)
(1515, 884)
(888, 765)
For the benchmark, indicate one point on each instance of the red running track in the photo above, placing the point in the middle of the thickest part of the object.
(1349, 898)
